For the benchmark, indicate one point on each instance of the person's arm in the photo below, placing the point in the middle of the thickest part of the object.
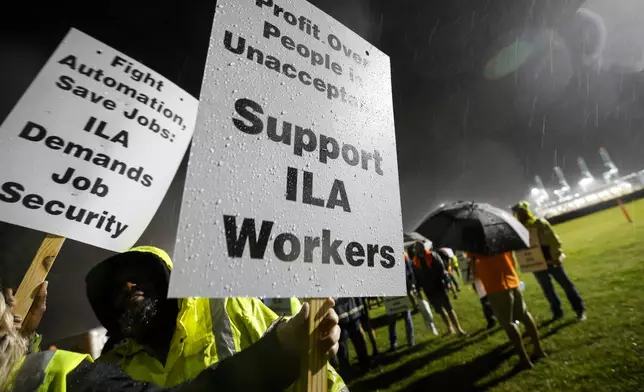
(264, 366)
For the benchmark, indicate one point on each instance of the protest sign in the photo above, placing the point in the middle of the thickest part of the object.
(91, 148)
(292, 185)
(532, 259)
(395, 305)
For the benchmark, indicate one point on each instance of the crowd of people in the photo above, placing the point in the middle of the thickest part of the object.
(435, 273)
(158, 343)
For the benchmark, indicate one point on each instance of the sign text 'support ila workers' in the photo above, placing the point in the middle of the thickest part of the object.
(293, 182)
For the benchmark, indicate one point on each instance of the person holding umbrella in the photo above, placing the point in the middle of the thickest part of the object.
(432, 274)
(551, 247)
(489, 235)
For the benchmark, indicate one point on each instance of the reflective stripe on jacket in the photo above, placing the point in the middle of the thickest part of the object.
(207, 331)
(46, 371)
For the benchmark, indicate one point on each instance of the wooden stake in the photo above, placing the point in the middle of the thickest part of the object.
(624, 211)
(36, 274)
(314, 374)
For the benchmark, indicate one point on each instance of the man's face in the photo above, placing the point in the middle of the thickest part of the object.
(137, 302)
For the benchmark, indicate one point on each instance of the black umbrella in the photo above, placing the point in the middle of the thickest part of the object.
(475, 227)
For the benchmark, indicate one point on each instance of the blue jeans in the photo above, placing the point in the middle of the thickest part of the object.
(409, 328)
(544, 278)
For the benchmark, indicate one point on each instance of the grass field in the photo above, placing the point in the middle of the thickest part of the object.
(605, 353)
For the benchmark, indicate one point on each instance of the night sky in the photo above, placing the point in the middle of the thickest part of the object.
(467, 126)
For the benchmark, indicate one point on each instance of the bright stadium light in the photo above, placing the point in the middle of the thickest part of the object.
(585, 182)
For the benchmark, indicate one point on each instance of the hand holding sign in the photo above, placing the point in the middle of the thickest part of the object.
(293, 334)
(29, 324)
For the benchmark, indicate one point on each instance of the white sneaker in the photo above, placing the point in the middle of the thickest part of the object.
(434, 330)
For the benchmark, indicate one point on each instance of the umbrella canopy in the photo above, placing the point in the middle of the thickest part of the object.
(475, 227)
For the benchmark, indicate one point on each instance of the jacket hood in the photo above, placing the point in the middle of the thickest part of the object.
(525, 206)
(148, 261)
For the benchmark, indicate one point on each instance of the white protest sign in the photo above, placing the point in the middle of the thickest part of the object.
(91, 148)
(395, 305)
(532, 259)
(292, 187)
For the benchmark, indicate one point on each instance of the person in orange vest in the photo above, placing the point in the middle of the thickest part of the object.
(499, 276)
(432, 274)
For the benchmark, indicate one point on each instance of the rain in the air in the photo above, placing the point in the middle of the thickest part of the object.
(322, 196)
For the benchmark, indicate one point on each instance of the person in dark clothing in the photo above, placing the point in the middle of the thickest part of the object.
(409, 325)
(365, 323)
(411, 282)
(432, 273)
(170, 341)
(349, 319)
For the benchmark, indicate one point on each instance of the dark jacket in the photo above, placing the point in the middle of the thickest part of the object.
(430, 272)
(348, 310)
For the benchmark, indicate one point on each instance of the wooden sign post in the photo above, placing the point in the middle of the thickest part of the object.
(37, 272)
(314, 373)
(621, 206)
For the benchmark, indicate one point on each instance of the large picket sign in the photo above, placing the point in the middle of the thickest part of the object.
(92, 146)
(293, 180)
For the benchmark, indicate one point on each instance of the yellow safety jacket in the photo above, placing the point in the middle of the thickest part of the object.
(547, 236)
(45, 371)
(207, 331)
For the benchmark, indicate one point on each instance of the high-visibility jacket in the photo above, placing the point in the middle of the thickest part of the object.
(45, 371)
(547, 236)
(207, 331)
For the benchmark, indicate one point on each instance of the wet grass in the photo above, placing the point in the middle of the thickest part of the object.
(605, 353)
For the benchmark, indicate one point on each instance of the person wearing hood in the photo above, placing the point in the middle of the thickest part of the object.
(166, 341)
(552, 251)
(62, 371)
